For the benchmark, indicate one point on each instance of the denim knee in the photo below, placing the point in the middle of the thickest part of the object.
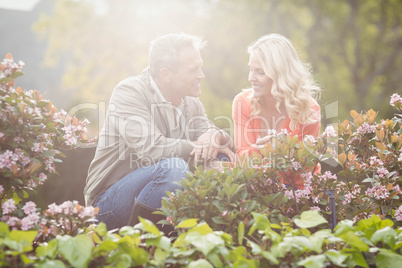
(175, 168)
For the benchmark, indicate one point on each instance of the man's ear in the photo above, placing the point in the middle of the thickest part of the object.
(165, 75)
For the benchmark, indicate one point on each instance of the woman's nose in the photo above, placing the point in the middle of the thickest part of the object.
(251, 77)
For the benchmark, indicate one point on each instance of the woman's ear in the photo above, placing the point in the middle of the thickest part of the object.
(165, 75)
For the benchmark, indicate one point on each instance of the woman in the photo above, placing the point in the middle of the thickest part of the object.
(281, 97)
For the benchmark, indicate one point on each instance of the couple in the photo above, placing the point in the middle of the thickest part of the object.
(155, 123)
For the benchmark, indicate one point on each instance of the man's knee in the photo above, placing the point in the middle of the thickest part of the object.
(175, 167)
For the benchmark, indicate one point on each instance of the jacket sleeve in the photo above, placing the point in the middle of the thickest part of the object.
(131, 117)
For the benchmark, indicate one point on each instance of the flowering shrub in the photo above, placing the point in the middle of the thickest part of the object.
(32, 131)
(366, 182)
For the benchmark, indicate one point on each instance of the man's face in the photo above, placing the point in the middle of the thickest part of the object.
(188, 76)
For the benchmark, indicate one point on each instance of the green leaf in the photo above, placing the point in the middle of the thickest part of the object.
(354, 241)
(387, 258)
(161, 242)
(106, 246)
(200, 263)
(48, 250)
(51, 264)
(202, 228)
(101, 229)
(4, 229)
(310, 219)
(386, 235)
(187, 223)
(317, 239)
(336, 257)
(261, 223)
(76, 250)
(16, 198)
(139, 256)
(24, 238)
(218, 220)
(316, 261)
(204, 243)
(149, 226)
(240, 230)
(16, 74)
(357, 259)
(160, 255)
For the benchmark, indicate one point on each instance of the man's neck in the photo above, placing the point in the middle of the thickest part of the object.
(167, 94)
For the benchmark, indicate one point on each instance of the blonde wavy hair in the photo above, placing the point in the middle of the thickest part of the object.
(292, 85)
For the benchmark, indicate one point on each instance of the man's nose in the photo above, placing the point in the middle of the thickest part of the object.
(200, 74)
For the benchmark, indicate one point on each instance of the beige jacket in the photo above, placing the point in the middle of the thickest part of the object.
(137, 133)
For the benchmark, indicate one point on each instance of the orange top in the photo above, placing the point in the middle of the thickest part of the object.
(247, 127)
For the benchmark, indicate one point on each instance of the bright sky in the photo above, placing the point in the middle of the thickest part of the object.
(23, 5)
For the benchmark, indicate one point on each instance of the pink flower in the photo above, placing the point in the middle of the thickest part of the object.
(315, 208)
(366, 128)
(394, 99)
(87, 212)
(1, 190)
(295, 165)
(329, 132)
(8, 206)
(42, 177)
(309, 138)
(29, 208)
(398, 213)
(169, 220)
(374, 161)
(272, 133)
(37, 147)
(326, 176)
(378, 192)
(284, 131)
(397, 189)
(224, 213)
(13, 221)
(1, 135)
(69, 207)
(54, 209)
(30, 221)
(382, 171)
(289, 194)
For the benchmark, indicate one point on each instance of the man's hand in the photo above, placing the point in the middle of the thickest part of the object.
(209, 145)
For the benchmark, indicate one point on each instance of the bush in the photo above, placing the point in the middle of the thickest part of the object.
(32, 134)
(368, 181)
(250, 215)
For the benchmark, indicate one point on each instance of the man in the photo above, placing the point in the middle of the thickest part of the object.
(155, 123)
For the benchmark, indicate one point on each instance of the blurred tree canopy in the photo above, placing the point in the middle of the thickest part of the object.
(354, 46)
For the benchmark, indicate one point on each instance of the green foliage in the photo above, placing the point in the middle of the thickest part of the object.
(32, 134)
(199, 246)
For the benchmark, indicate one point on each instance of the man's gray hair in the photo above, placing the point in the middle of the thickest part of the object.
(164, 51)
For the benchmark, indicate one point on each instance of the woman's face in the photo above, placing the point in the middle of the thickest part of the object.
(260, 82)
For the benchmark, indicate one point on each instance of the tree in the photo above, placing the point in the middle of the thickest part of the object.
(353, 46)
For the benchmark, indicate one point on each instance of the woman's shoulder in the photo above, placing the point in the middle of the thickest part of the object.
(243, 96)
(314, 105)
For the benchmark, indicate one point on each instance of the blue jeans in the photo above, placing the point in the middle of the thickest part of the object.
(148, 184)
